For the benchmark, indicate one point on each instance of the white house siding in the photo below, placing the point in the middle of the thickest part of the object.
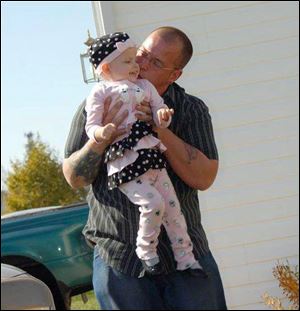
(245, 68)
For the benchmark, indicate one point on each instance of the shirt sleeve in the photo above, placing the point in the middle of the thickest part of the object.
(197, 129)
(77, 135)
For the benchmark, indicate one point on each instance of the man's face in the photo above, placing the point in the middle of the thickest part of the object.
(157, 61)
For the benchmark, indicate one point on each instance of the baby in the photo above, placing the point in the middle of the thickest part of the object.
(135, 161)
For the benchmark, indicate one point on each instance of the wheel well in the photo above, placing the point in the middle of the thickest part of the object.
(60, 292)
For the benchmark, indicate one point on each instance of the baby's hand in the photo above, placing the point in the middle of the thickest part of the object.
(105, 132)
(164, 115)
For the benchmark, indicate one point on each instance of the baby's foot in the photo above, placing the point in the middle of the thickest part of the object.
(196, 265)
(152, 266)
(197, 270)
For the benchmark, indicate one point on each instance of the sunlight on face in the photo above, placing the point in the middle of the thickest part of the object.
(124, 67)
(156, 66)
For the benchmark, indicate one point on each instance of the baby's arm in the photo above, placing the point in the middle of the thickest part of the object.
(104, 133)
(94, 109)
(162, 115)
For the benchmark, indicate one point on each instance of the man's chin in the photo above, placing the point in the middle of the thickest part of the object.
(142, 76)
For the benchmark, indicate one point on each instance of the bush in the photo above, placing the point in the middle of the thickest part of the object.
(288, 278)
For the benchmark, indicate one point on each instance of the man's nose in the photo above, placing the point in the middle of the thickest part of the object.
(143, 63)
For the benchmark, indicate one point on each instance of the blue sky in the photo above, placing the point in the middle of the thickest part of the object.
(41, 79)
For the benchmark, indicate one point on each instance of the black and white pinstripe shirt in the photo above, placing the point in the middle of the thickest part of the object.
(113, 220)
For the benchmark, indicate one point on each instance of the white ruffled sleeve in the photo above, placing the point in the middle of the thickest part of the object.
(94, 110)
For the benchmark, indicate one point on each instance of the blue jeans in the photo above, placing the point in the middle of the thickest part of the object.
(175, 291)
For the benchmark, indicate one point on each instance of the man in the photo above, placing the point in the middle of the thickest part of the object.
(112, 225)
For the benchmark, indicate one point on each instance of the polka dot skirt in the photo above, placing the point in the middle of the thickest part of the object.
(147, 159)
(139, 130)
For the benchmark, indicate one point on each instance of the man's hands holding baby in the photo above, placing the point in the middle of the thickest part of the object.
(110, 130)
(163, 115)
(111, 122)
(105, 133)
(145, 112)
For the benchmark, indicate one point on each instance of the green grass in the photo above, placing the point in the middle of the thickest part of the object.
(78, 304)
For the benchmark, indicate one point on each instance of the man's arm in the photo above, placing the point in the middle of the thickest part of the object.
(189, 163)
(82, 166)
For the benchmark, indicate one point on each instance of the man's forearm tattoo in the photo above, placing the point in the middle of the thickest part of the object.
(191, 152)
(87, 165)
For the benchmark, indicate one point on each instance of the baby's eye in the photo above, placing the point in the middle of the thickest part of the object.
(127, 62)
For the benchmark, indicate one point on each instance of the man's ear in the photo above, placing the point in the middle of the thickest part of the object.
(175, 75)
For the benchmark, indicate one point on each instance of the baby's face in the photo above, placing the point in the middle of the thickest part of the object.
(124, 66)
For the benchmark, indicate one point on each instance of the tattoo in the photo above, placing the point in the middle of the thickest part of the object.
(86, 164)
(191, 152)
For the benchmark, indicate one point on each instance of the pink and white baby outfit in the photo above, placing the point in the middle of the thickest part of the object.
(122, 154)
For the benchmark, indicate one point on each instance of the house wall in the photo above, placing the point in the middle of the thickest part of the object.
(245, 68)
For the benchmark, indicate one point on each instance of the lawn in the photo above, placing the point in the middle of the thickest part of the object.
(78, 304)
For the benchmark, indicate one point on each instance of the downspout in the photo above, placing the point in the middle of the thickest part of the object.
(103, 17)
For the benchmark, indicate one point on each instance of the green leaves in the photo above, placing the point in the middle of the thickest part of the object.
(38, 181)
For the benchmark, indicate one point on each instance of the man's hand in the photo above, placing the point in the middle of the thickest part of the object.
(109, 117)
(105, 132)
(82, 166)
(145, 113)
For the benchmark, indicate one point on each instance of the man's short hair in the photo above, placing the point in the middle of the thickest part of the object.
(171, 34)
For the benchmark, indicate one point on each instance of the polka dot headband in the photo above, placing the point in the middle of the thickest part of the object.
(106, 48)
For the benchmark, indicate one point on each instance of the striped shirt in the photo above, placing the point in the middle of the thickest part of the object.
(113, 220)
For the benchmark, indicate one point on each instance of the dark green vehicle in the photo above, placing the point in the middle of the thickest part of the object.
(48, 244)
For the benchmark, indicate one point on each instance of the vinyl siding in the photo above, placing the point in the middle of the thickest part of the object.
(246, 69)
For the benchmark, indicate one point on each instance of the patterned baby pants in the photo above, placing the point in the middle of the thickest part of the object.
(158, 204)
